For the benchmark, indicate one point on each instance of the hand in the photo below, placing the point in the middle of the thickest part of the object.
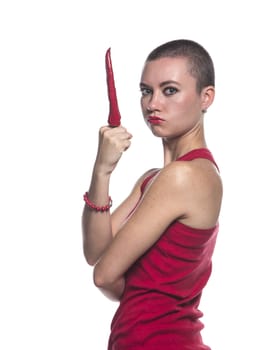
(112, 143)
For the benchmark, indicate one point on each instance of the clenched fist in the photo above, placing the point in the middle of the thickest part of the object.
(112, 143)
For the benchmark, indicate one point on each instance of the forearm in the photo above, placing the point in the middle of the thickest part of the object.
(96, 226)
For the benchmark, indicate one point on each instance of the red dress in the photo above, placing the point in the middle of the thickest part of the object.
(159, 306)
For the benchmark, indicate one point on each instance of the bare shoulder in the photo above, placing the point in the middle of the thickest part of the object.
(198, 174)
(197, 187)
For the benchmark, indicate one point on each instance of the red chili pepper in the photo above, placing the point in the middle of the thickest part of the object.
(114, 115)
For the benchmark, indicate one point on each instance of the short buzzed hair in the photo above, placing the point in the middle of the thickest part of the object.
(201, 66)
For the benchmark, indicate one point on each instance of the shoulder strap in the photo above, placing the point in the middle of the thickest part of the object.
(147, 179)
(195, 153)
(199, 153)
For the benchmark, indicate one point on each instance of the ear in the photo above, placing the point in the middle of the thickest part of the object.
(207, 97)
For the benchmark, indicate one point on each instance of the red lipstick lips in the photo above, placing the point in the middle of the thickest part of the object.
(154, 120)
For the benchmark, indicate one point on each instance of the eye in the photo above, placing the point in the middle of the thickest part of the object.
(145, 91)
(170, 90)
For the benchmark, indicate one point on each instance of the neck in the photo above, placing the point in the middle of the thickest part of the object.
(177, 147)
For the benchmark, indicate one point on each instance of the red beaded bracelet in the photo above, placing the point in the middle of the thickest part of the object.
(95, 207)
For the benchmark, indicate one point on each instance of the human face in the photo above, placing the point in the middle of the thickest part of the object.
(170, 102)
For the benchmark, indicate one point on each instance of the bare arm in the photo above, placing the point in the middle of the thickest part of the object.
(179, 192)
(96, 226)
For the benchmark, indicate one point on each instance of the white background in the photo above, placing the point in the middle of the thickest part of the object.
(53, 100)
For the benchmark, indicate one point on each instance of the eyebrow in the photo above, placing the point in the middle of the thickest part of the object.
(167, 82)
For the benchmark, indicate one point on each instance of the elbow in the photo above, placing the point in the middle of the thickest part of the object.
(98, 278)
(110, 287)
(101, 279)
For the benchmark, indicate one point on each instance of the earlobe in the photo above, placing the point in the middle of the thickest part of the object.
(208, 94)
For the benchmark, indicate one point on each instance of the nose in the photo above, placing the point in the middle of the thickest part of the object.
(154, 103)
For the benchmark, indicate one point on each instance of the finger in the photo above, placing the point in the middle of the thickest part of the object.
(120, 132)
(126, 144)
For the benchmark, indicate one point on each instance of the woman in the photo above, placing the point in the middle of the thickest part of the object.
(153, 253)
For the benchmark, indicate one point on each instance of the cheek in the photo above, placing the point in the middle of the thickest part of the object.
(187, 104)
(185, 112)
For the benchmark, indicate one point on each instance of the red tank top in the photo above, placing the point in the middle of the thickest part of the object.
(159, 306)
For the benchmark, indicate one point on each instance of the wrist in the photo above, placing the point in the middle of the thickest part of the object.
(94, 206)
(101, 171)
